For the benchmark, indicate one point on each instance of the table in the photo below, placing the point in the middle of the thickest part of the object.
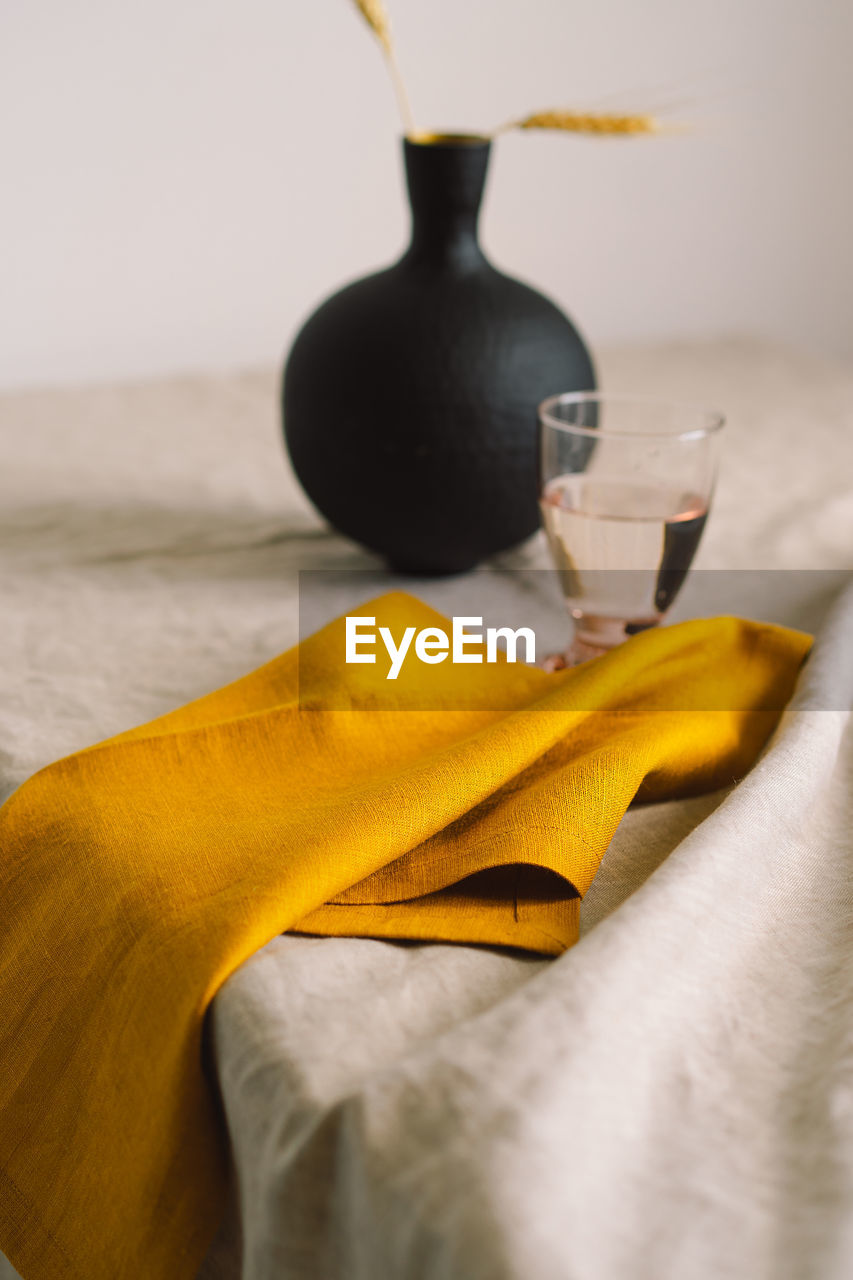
(150, 541)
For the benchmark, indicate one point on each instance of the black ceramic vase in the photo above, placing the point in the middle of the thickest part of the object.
(410, 397)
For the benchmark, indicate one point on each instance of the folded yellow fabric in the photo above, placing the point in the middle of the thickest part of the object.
(470, 803)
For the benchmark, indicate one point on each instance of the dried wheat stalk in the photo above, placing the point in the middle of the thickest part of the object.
(586, 122)
(608, 123)
(376, 17)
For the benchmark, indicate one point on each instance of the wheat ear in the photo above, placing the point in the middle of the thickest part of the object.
(586, 122)
(376, 17)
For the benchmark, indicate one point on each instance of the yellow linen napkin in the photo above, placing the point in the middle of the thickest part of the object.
(471, 804)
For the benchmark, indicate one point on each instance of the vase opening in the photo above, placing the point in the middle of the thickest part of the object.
(427, 139)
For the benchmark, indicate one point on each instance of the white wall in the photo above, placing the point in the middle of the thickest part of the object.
(182, 180)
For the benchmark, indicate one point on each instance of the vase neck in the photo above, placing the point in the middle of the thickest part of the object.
(445, 182)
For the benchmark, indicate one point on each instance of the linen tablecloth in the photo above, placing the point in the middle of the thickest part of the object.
(672, 1097)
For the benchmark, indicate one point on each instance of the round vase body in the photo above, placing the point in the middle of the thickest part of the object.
(410, 397)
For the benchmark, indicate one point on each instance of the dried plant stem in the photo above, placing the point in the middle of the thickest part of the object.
(586, 122)
(376, 17)
(401, 92)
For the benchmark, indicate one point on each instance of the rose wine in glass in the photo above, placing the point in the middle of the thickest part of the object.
(625, 490)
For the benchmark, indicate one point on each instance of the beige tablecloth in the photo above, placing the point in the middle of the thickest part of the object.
(672, 1098)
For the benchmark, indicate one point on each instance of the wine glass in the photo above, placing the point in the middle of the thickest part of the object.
(625, 486)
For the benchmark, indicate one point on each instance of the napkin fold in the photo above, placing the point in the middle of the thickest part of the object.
(470, 804)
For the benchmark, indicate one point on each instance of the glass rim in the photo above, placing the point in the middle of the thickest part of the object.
(714, 420)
